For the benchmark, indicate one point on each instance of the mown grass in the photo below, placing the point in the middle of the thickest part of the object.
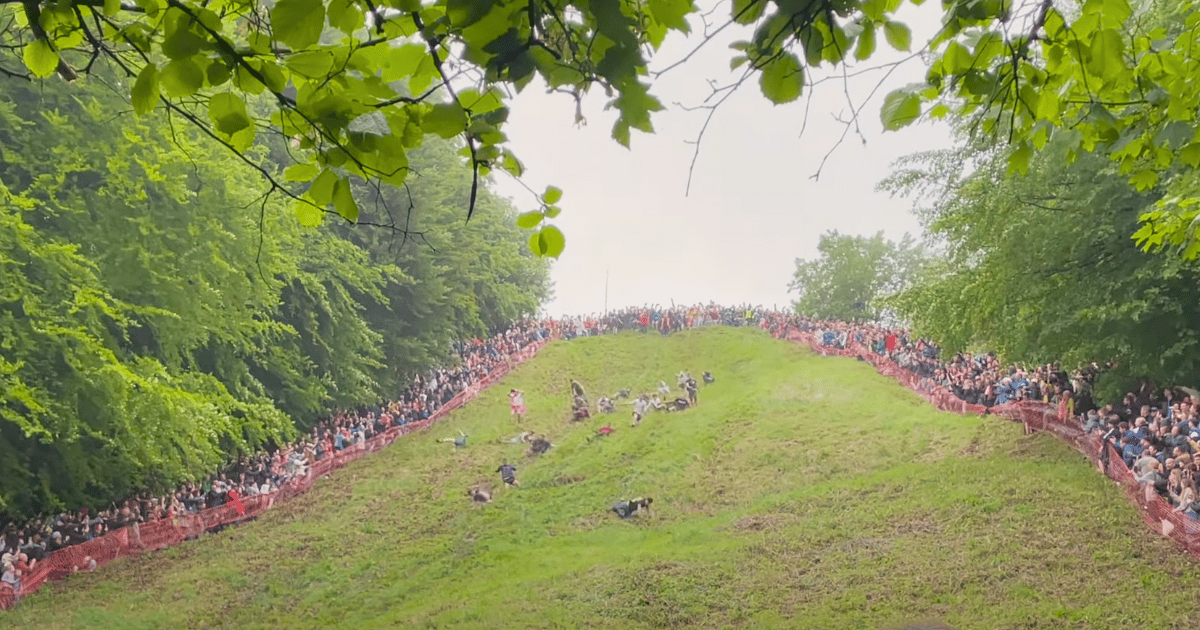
(803, 492)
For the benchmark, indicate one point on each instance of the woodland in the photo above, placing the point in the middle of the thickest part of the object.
(160, 316)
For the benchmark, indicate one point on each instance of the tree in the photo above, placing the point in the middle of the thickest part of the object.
(852, 273)
(1040, 267)
(355, 85)
(151, 328)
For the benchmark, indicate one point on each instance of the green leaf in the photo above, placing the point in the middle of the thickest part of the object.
(445, 119)
(308, 214)
(635, 104)
(40, 58)
(181, 78)
(228, 113)
(112, 7)
(181, 43)
(552, 195)
(343, 200)
(312, 64)
(345, 16)
(747, 11)
(1144, 180)
(1190, 154)
(145, 90)
(301, 172)
(873, 9)
(402, 62)
(298, 23)
(1106, 53)
(552, 241)
(511, 164)
(900, 108)
(898, 35)
(462, 13)
(1018, 161)
(672, 13)
(866, 45)
(529, 219)
(552, 211)
(782, 79)
(320, 192)
(956, 59)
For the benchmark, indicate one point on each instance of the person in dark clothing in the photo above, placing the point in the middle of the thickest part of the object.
(708, 378)
(538, 445)
(508, 473)
(625, 509)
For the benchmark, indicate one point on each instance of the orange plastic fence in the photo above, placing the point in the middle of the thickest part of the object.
(1037, 416)
(153, 535)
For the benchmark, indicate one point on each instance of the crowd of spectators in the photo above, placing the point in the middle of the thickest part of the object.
(23, 545)
(1155, 432)
(1158, 436)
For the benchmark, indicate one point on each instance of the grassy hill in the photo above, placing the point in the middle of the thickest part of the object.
(803, 492)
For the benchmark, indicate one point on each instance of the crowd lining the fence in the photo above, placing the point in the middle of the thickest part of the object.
(1146, 443)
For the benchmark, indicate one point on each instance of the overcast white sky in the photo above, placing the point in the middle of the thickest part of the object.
(753, 207)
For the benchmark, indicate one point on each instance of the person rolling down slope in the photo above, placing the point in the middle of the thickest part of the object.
(577, 391)
(708, 378)
(459, 441)
(479, 494)
(508, 473)
(625, 509)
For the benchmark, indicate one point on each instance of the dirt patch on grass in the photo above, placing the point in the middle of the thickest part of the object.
(763, 522)
(916, 525)
(566, 480)
(938, 448)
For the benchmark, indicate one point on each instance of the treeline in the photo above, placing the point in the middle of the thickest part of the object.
(1055, 249)
(152, 328)
(1040, 268)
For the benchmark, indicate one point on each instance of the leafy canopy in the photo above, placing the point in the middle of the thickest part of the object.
(357, 84)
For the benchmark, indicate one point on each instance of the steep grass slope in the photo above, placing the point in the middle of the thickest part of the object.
(803, 492)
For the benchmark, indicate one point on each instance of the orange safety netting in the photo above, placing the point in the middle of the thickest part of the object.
(149, 536)
(1036, 416)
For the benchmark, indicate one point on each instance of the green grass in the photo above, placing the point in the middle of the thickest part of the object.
(803, 492)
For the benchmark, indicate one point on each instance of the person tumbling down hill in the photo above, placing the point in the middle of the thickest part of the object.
(508, 473)
(603, 431)
(459, 440)
(577, 391)
(605, 405)
(538, 445)
(625, 509)
(679, 404)
(708, 378)
(479, 494)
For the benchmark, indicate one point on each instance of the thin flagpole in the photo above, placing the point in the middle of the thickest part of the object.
(606, 292)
